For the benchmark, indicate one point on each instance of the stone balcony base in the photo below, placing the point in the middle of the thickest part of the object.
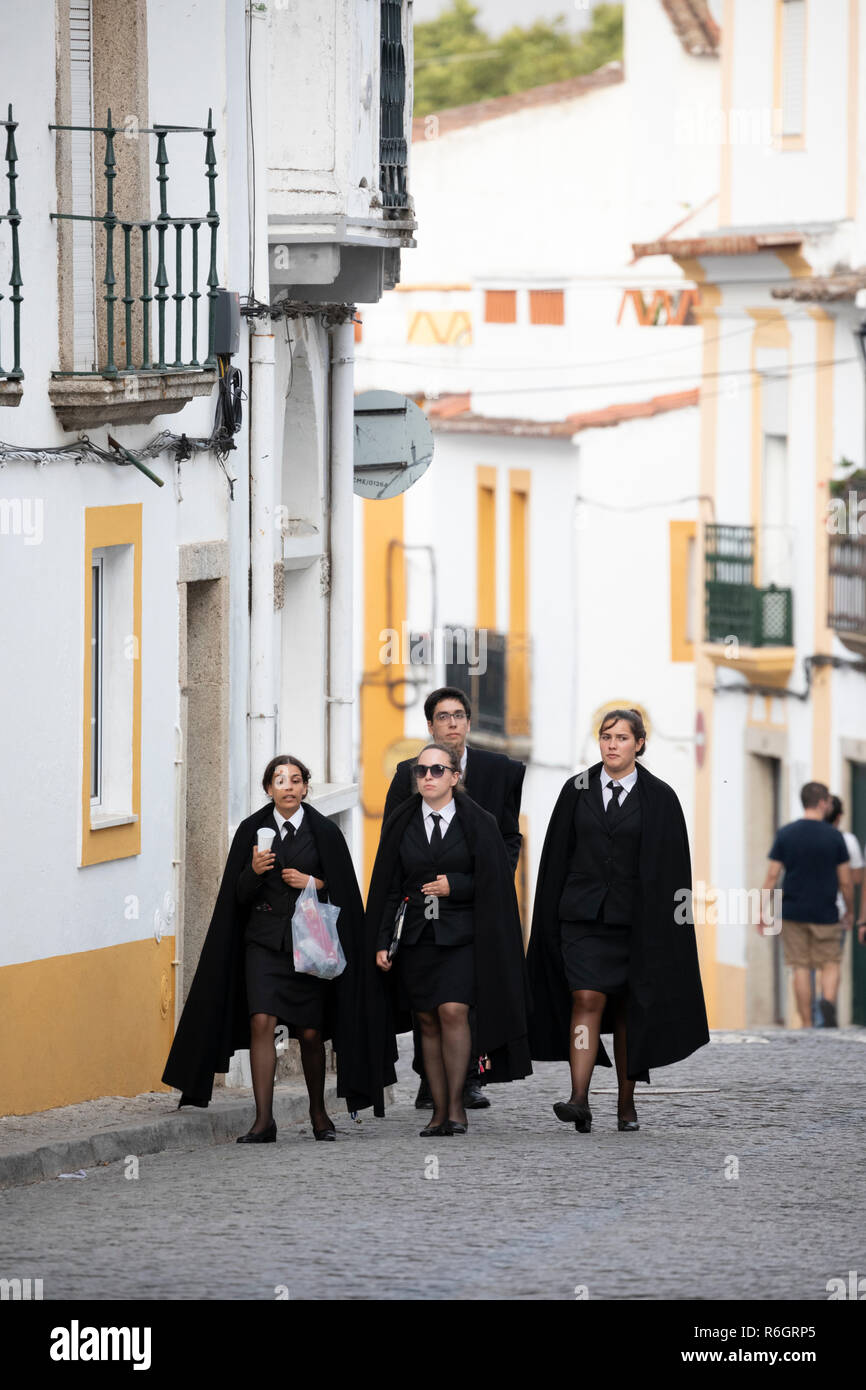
(11, 391)
(82, 402)
(760, 665)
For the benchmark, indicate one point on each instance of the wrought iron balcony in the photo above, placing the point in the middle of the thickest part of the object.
(393, 159)
(161, 283)
(12, 376)
(499, 694)
(847, 608)
(735, 606)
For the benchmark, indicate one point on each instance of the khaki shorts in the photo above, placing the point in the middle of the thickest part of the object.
(809, 945)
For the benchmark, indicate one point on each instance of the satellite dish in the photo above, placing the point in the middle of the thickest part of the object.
(393, 443)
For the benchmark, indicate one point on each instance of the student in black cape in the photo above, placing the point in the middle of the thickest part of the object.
(461, 942)
(612, 946)
(246, 966)
(493, 780)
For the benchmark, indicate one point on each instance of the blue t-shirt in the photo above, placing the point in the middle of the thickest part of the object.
(811, 851)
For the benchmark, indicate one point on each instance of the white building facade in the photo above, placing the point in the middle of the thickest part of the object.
(559, 516)
(175, 542)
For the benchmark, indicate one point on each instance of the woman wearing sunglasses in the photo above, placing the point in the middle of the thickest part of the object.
(460, 942)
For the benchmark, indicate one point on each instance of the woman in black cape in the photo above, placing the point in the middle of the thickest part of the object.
(612, 947)
(215, 1021)
(491, 969)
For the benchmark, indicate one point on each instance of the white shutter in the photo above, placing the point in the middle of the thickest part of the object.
(793, 65)
(81, 151)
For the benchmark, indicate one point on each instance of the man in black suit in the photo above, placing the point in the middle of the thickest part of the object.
(495, 781)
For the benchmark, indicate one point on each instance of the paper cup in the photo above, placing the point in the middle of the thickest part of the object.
(265, 839)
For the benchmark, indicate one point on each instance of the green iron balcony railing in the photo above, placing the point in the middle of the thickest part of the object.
(393, 158)
(13, 217)
(161, 225)
(735, 606)
(847, 614)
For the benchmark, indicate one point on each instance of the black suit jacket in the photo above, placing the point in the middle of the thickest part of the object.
(493, 780)
(604, 873)
(268, 901)
(418, 863)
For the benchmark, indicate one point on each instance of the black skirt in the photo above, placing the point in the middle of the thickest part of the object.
(275, 987)
(430, 975)
(595, 956)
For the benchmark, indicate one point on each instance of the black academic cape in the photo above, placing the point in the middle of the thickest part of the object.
(493, 780)
(215, 1019)
(665, 1015)
(502, 998)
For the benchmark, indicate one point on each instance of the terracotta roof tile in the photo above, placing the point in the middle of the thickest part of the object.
(694, 26)
(721, 244)
(456, 117)
(452, 414)
(823, 288)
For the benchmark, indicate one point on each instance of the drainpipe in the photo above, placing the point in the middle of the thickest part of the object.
(340, 697)
(262, 452)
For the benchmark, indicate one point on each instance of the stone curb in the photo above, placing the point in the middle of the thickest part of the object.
(219, 1124)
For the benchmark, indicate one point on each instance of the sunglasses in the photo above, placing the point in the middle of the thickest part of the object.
(435, 770)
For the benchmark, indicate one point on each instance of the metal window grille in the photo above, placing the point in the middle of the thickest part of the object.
(168, 233)
(487, 691)
(393, 160)
(13, 219)
(848, 585)
(735, 607)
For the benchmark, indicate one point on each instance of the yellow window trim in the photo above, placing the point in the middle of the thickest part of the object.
(106, 526)
(485, 575)
(681, 533)
(518, 677)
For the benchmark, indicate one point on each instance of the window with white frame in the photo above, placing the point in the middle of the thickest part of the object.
(114, 652)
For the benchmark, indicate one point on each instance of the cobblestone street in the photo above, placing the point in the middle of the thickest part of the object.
(522, 1208)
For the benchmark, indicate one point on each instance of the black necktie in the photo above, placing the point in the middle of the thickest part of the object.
(288, 831)
(436, 835)
(616, 788)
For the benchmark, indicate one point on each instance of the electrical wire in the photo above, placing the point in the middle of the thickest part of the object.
(779, 373)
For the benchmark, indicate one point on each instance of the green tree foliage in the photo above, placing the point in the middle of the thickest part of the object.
(456, 62)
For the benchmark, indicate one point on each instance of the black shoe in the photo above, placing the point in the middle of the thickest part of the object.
(329, 1134)
(432, 1132)
(455, 1127)
(829, 1017)
(474, 1097)
(423, 1100)
(623, 1125)
(577, 1113)
(264, 1136)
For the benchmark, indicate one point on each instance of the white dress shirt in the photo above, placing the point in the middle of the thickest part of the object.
(295, 820)
(447, 814)
(463, 763)
(625, 782)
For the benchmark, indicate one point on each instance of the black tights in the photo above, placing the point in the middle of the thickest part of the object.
(446, 1042)
(587, 1007)
(263, 1065)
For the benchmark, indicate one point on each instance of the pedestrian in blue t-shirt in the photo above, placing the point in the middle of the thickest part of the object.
(815, 859)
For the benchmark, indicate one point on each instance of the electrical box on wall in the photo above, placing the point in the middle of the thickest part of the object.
(227, 323)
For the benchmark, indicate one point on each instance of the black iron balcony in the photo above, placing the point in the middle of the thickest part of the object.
(735, 606)
(11, 377)
(133, 231)
(847, 607)
(393, 157)
(496, 681)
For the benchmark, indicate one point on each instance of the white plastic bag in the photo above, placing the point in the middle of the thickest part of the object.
(316, 946)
